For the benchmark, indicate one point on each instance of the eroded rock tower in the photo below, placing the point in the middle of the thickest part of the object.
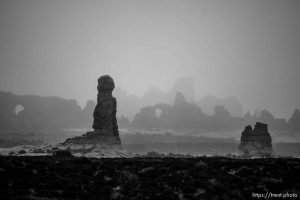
(105, 121)
(256, 142)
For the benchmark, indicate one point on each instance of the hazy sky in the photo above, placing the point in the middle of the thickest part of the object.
(247, 49)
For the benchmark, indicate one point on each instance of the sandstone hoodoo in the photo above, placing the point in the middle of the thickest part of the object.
(105, 121)
(257, 141)
(104, 141)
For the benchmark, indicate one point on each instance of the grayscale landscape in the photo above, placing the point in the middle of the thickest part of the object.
(162, 99)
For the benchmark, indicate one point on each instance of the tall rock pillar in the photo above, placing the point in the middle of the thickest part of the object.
(105, 121)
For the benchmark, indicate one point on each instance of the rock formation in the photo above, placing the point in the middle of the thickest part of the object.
(185, 115)
(294, 121)
(38, 113)
(256, 142)
(129, 105)
(182, 115)
(104, 141)
(105, 121)
(231, 104)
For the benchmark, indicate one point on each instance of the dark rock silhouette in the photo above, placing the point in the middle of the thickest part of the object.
(130, 105)
(294, 121)
(106, 108)
(266, 117)
(38, 113)
(256, 142)
(184, 85)
(55, 113)
(231, 104)
(105, 121)
(221, 112)
(222, 120)
(181, 115)
(146, 118)
(179, 99)
(104, 141)
(185, 115)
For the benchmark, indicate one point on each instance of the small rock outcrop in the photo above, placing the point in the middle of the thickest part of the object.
(257, 141)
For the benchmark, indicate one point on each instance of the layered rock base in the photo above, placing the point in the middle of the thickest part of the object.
(95, 137)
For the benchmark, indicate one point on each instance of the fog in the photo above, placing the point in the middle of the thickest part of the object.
(246, 49)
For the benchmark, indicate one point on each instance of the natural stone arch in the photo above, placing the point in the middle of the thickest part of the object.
(164, 108)
(158, 112)
(18, 108)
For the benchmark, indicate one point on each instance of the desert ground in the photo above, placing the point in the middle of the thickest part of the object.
(68, 177)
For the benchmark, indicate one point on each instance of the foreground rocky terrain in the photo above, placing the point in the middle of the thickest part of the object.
(67, 177)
